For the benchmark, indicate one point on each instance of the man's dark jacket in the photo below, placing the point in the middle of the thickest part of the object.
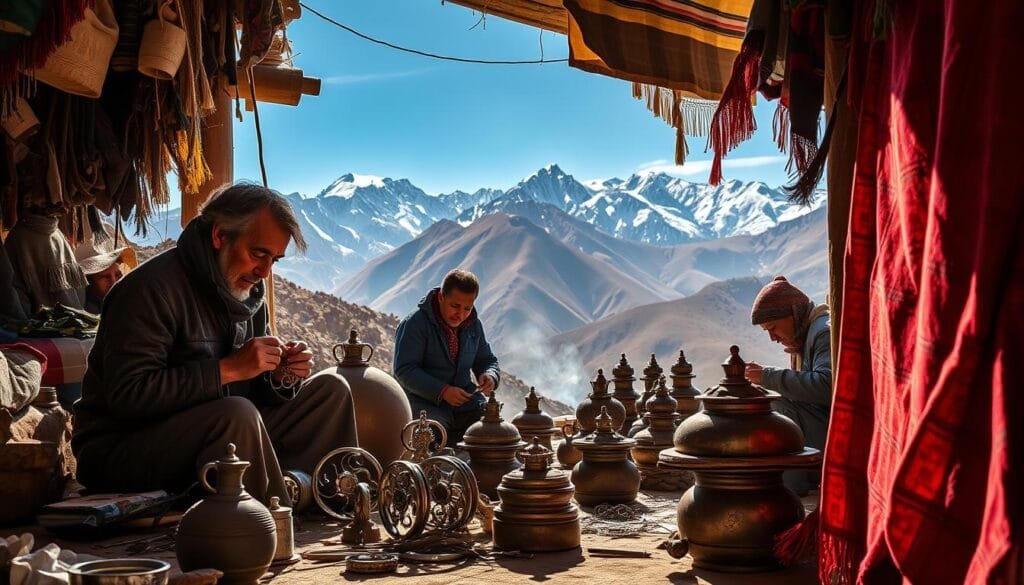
(164, 328)
(422, 363)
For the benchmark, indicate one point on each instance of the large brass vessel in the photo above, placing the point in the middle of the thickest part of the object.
(381, 406)
(536, 513)
(622, 379)
(737, 448)
(586, 414)
(533, 422)
(492, 444)
(686, 396)
(605, 475)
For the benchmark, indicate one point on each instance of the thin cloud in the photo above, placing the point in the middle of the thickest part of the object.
(372, 77)
(699, 167)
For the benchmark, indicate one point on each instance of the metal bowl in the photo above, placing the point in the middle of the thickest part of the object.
(120, 572)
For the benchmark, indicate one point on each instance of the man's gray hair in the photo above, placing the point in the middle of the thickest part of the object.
(233, 208)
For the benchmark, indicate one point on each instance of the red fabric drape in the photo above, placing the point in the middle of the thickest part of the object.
(923, 466)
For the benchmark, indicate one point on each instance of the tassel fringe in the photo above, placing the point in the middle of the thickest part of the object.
(836, 561)
(682, 149)
(697, 115)
(797, 543)
(733, 121)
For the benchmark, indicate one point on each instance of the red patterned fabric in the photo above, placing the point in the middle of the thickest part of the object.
(925, 446)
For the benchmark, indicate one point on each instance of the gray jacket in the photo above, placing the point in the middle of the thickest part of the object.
(813, 383)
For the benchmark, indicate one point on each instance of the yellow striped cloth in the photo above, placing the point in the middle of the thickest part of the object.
(682, 45)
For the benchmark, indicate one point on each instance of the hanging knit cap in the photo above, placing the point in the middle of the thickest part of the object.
(776, 301)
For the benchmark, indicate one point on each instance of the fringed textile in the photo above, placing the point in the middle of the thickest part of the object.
(54, 28)
(921, 480)
(680, 45)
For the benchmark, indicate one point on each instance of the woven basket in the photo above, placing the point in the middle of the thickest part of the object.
(162, 49)
(79, 66)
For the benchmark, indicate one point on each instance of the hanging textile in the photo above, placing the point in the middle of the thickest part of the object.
(783, 58)
(671, 50)
(681, 45)
(925, 447)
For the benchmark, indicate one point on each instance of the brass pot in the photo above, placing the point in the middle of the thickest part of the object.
(686, 396)
(622, 379)
(737, 449)
(381, 406)
(536, 513)
(492, 444)
(230, 530)
(533, 422)
(605, 475)
(652, 373)
(590, 408)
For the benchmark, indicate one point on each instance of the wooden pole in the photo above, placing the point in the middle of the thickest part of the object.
(219, 150)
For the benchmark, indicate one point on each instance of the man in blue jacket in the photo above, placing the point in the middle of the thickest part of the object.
(789, 317)
(439, 349)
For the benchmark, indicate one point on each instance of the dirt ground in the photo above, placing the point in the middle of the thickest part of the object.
(576, 566)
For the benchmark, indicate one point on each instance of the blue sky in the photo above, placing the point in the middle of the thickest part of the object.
(448, 126)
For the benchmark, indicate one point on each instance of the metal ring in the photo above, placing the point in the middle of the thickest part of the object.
(407, 432)
(404, 499)
(453, 492)
(371, 563)
(336, 477)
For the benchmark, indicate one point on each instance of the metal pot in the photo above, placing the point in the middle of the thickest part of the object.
(737, 448)
(622, 379)
(587, 411)
(605, 475)
(381, 406)
(660, 417)
(652, 373)
(533, 422)
(492, 444)
(686, 396)
(120, 572)
(536, 513)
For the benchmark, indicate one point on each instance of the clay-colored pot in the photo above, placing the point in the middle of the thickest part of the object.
(230, 530)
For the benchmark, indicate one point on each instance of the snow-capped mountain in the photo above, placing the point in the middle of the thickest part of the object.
(360, 217)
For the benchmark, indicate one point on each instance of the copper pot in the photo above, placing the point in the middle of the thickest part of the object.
(230, 530)
(737, 448)
(381, 406)
(605, 475)
(533, 422)
(622, 379)
(536, 513)
(587, 411)
(492, 444)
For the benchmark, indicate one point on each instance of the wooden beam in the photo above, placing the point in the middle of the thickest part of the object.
(546, 14)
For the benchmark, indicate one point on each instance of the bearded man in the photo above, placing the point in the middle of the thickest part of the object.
(184, 363)
(802, 327)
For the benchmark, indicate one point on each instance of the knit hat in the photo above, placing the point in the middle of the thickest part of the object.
(776, 301)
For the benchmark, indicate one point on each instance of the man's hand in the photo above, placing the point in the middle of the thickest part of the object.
(486, 384)
(258, 355)
(299, 358)
(454, 395)
(753, 372)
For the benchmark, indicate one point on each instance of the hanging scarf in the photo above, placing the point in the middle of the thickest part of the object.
(802, 319)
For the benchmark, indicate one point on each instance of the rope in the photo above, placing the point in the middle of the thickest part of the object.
(424, 53)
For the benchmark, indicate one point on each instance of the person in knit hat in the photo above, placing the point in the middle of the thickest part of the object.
(802, 327)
